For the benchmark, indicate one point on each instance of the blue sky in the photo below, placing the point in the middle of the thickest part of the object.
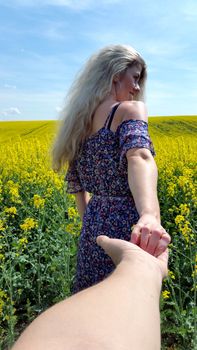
(44, 43)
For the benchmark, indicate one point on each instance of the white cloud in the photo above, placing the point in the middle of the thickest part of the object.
(11, 111)
(33, 105)
(8, 86)
(164, 48)
(58, 109)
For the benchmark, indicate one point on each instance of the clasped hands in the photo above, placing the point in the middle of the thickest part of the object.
(149, 235)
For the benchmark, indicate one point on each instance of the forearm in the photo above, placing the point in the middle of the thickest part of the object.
(82, 199)
(124, 313)
(142, 178)
(120, 313)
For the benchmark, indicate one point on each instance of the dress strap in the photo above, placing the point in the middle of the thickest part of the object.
(109, 119)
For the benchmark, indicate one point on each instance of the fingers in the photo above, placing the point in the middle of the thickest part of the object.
(112, 247)
(136, 232)
(117, 249)
(158, 241)
(152, 240)
(162, 244)
(145, 237)
(103, 241)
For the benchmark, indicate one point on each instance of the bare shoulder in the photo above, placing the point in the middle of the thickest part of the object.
(133, 110)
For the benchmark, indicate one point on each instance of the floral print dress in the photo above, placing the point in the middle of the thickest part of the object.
(101, 169)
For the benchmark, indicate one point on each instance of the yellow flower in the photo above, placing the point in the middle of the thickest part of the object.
(186, 232)
(14, 192)
(184, 209)
(179, 219)
(72, 212)
(194, 273)
(182, 181)
(10, 183)
(23, 241)
(11, 210)
(2, 228)
(69, 228)
(38, 201)
(28, 224)
(3, 297)
(171, 189)
(2, 257)
(166, 294)
(171, 274)
(49, 191)
(57, 182)
(3, 294)
(1, 306)
(195, 268)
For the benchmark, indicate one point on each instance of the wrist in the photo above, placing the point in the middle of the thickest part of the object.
(150, 212)
(147, 271)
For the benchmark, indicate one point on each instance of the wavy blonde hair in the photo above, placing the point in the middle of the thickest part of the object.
(89, 89)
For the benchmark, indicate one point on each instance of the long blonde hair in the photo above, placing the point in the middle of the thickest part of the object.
(89, 89)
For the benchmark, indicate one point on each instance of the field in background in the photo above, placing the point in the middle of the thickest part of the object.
(39, 226)
(170, 126)
(11, 131)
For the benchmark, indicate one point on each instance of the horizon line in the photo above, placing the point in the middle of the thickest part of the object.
(56, 120)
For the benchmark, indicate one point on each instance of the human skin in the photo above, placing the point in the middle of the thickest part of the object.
(119, 313)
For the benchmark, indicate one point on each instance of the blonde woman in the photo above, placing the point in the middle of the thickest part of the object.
(104, 139)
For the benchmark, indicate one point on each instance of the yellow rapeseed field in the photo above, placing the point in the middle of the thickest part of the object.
(39, 226)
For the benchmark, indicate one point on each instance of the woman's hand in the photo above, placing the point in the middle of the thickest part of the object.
(149, 235)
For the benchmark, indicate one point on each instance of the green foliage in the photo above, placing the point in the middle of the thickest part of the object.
(38, 260)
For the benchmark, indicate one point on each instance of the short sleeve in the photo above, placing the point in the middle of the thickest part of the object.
(73, 181)
(134, 134)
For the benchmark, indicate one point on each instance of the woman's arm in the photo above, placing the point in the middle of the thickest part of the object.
(142, 178)
(82, 199)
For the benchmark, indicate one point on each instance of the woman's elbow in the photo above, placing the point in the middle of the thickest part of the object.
(138, 154)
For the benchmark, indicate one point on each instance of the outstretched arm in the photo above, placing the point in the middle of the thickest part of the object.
(120, 313)
(142, 178)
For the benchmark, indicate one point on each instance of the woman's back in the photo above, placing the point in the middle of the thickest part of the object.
(101, 166)
(101, 114)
